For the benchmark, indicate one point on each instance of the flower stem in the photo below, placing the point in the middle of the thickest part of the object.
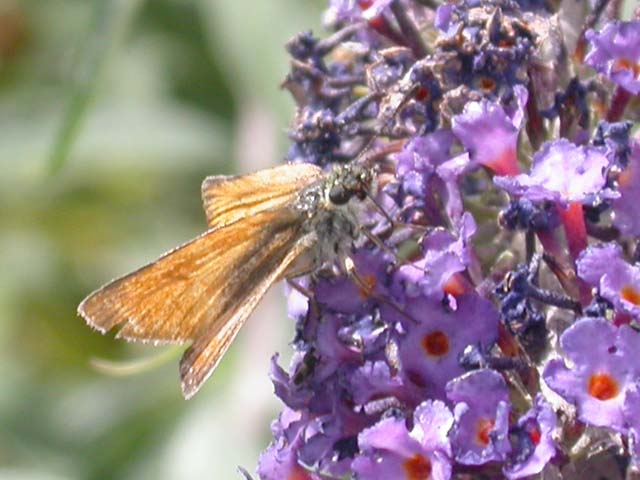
(619, 103)
(410, 31)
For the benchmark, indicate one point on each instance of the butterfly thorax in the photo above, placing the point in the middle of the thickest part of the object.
(331, 208)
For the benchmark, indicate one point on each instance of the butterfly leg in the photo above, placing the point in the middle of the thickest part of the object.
(243, 471)
(350, 269)
(378, 242)
(305, 292)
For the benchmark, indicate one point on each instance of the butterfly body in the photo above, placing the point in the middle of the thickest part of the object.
(332, 207)
(264, 226)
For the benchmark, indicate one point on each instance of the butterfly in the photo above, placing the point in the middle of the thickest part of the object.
(276, 223)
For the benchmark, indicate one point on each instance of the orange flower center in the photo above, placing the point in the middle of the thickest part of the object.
(505, 162)
(436, 343)
(626, 64)
(422, 94)
(299, 473)
(367, 286)
(454, 286)
(535, 435)
(625, 177)
(417, 467)
(603, 386)
(487, 84)
(483, 429)
(630, 294)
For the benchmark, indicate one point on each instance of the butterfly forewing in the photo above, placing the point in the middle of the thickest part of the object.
(227, 199)
(172, 299)
(247, 288)
(203, 291)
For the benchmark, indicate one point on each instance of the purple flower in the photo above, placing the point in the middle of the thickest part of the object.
(626, 213)
(330, 441)
(631, 411)
(616, 140)
(490, 136)
(430, 350)
(311, 381)
(433, 275)
(534, 445)
(480, 432)
(616, 53)
(443, 17)
(280, 461)
(602, 364)
(602, 266)
(417, 173)
(401, 371)
(451, 172)
(561, 172)
(343, 10)
(285, 388)
(391, 451)
(569, 176)
(297, 303)
(490, 59)
(344, 295)
(332, 346)
(423, 154)
(374, 380)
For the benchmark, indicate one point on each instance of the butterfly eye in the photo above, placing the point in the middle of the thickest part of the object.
(339, 195)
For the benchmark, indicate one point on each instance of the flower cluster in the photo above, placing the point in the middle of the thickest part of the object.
(490, 326)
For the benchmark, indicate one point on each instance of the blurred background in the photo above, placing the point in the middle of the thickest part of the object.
(111, 114)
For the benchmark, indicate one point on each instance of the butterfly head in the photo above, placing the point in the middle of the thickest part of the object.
(349, 181)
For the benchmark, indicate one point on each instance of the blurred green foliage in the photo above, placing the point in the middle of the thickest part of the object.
(111, 114)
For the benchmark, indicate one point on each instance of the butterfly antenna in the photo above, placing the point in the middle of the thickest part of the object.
(371, 155)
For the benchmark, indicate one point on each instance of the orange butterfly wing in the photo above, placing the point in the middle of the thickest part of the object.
(226, 199)
(203, 291)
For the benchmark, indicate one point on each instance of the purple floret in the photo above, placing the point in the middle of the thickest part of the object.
(603, 267)
(562, 172)
(280, 460)
(626, 212)
(534, 445)
(490, 135)
(480, 432)
(495, 258)
(390, 450)
(444, 255)
(631, 410)
(430, 350)
(602, 363)
(615, 53)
